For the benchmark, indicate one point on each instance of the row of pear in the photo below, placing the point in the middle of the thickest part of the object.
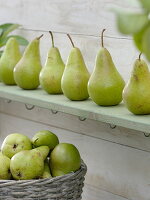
(105, 86)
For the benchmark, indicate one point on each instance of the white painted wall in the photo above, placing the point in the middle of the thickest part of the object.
(84, 20)
(118, 159)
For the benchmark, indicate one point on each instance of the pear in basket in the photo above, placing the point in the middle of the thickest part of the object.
(4, 167)
(45, 138)
(29, 164)
(64, 158)
(15, 143)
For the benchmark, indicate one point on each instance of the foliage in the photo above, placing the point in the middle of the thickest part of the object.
(5, 30)
(138, 26)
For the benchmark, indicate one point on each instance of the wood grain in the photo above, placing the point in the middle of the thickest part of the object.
(90, 192)
(86, 17)
(115, 115)
(123, 136)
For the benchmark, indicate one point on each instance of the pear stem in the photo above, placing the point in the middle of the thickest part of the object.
(102, 37)
(39, 37)
(140, 56)
(52, 38)
(70, 40)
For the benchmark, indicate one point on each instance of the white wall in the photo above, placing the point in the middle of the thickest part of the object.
(84, 20)
(118, 159)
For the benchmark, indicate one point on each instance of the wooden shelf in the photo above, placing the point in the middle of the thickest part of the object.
(117, 115)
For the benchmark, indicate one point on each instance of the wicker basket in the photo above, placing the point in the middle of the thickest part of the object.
(67, 187)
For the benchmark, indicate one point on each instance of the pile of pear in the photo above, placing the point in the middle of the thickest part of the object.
(105, 86)
(39, 158)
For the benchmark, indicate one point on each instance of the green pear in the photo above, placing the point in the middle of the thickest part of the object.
(26, 72)
(9, 59)
(4, 167)
(136, 94)
(75, 77)
(64, 158)
(105, 85)
(27, 164)
(44, 151)
(45, 138)
(51, 73)
(46, 173)
(15, 143)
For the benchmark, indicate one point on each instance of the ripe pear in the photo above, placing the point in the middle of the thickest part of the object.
(136, 94)
(15, 143)
(28, 164)
(105, 84)
(4, 167)
(64, 158)
(26, 72)
(9, 59)
(45, 138)
(75, 77)
(44, 151)
(46, 173)
(51, 73)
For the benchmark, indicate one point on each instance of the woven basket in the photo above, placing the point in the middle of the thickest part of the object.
(67, 187)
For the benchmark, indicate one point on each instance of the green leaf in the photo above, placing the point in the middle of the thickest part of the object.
(1, 52)
(1, 31)
(145, 4)
(21, 40)
(129, 23)
(3, 41)
(138, 38)
(146, 43)
(7, 28)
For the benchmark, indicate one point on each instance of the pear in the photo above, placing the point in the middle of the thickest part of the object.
(4, 167)
(26, 72)
(46, 173)
(64, 158)
(75, 77)
(51, 73)
(46, 138)
(136, 94)
(15, 143)
(28, 164)
(9, 59)
(44, 151)
(105, 84)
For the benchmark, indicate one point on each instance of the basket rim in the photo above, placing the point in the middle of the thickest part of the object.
(82, 169)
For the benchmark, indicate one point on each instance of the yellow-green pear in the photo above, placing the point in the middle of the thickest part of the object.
(4, 167)
(46, 173)
(28, 164)
(105, 84)
(14, 143)
(136, 94)
(45, 138)
(75, 77)
(64, 158)
(26, 72)
(51, 73)
(44, 151)
(9, 59)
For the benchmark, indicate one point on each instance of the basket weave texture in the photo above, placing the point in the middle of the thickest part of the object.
(67, 187)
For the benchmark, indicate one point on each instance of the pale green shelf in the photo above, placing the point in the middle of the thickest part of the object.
(117, 115)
